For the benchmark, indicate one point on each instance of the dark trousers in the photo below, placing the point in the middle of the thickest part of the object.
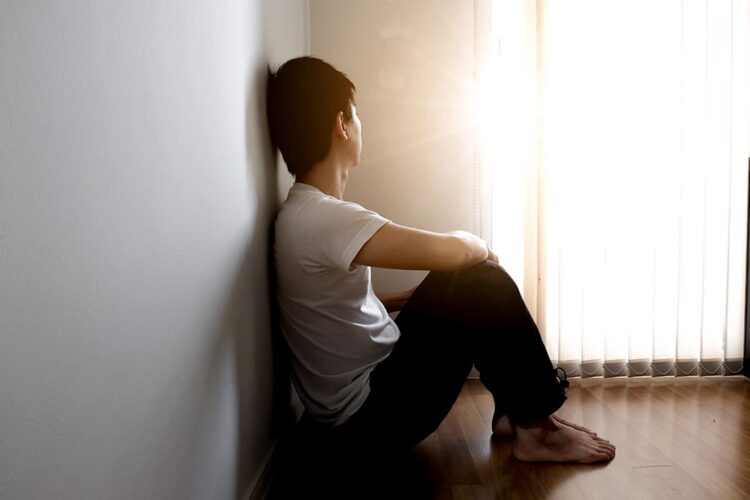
(474, 316)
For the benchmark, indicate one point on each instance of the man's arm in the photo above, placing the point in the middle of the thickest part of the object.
(400, 247)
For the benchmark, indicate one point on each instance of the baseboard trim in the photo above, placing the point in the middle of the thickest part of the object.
(262, 485)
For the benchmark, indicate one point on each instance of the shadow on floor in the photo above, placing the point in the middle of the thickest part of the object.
(310, 467)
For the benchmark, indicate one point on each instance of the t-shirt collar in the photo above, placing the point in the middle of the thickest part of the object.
(306, 187)
(301, 186)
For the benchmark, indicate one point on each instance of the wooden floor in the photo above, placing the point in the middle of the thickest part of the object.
(686, 437)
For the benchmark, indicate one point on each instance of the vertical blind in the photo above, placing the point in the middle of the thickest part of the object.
(634, 169)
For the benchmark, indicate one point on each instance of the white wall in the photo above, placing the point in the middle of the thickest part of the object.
(137, 189)
(413, 65)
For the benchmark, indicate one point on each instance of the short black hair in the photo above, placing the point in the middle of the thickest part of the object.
(303, 98)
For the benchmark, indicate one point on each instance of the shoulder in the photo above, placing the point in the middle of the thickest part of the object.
(325, 231)
(324, 210)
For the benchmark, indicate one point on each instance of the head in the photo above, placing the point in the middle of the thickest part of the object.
(312, 113)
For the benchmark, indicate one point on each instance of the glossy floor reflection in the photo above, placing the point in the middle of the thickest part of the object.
(686, 437)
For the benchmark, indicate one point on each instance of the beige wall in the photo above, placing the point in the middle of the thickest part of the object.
(137, 189)
(412, 63)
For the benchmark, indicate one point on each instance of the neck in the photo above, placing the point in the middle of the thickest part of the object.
(327, 176)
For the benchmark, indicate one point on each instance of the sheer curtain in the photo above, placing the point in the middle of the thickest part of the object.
(621, 130)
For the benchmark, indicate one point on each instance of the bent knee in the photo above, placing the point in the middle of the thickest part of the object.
(475, 284)
(487, 271)
(486, 267)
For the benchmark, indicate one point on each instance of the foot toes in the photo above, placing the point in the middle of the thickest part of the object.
(604, 448)
(601, 439)
(607, 451)
(605, 454)
(609, 446)
(575, 426)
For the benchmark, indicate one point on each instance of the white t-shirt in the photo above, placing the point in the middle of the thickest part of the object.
(336, 327)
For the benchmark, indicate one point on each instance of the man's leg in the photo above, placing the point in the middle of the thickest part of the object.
(489, 313)
(413, 389)
(485, 309)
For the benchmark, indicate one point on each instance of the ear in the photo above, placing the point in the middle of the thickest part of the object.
(338, 128)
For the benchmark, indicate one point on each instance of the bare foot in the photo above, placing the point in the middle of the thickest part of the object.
(575, 426)
(551, 441)
(503, 427)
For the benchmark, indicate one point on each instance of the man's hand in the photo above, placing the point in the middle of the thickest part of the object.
(492, 256)
(395, 301)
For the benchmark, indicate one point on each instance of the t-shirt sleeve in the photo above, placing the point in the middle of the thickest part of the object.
(338, 231)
